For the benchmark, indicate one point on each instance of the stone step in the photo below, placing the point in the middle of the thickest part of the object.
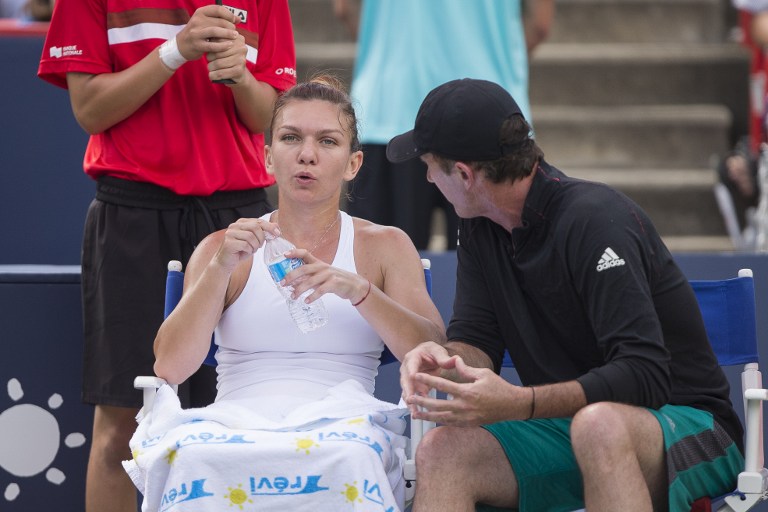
(631, 21)
(643, 74)
(576, 21)
(680, 244)
(670, 136)
(336, 58)
(680, 202)
(315, 22)
(605, 75)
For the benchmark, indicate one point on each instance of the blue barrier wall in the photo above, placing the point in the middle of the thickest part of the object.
(44, 193)
(45, 430)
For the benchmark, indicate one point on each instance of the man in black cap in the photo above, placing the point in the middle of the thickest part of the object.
(624, 406)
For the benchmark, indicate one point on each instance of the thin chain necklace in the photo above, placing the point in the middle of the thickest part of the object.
(330, 226)
(325, 233)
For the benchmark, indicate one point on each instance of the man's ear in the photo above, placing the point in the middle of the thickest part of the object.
(354, 165)
(466, 173)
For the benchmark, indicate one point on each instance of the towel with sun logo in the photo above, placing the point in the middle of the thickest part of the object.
(344, 452)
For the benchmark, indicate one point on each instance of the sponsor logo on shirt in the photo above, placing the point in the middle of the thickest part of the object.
(609, 259)
(287, 71)
(240, 13)
(64, 51)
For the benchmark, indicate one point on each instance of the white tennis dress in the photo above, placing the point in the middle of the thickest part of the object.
(295, 425)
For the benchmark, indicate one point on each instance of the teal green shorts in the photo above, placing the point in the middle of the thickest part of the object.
(701, 460)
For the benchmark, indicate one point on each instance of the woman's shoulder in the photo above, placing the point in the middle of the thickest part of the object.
(372, 234)
(379, 248)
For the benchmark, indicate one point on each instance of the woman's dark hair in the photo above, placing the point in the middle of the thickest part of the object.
(515, 133)
(326, 88)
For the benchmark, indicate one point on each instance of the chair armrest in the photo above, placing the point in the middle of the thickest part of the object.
(419, 428)
(149, 386)
(756, 394)
(753, 425)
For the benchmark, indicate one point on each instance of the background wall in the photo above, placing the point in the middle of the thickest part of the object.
(44, 193)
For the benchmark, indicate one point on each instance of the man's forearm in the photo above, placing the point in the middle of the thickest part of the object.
(561, 400)
(472, 356)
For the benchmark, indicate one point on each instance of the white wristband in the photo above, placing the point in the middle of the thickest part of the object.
(170, 54)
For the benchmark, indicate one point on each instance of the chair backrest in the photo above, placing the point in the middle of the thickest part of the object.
(728, 308)
(174, 284)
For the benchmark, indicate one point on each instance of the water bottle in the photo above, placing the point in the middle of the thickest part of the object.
(308, 317)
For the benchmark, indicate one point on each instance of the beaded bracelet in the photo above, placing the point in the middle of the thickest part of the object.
(364, 296)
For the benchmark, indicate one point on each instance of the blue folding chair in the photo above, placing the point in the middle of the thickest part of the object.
(728, 308)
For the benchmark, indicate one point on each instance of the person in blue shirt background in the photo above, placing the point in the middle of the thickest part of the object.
(405, 49)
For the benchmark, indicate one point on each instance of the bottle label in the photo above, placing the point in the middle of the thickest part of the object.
(279, 269)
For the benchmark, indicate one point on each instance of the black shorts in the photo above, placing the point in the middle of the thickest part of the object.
(131, 232)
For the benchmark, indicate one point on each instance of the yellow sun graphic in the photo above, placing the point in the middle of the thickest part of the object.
(170, 457)
(136, 453)
(305, 444)
(352, 493)
(237, 496)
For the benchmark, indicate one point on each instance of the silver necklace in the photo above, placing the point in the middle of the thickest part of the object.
(330, 226)
(325, 233)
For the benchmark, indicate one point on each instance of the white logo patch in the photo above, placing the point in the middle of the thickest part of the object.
(287, 71)
(243, 15)
(65, 51)
(609, 259)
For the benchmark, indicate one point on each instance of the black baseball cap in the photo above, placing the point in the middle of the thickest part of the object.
(460, 120)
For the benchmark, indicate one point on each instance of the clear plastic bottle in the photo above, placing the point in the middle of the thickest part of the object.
(308, 317)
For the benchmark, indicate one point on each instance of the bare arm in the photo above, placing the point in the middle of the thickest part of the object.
(254, 100)
(538, 22)
(101, 101)
(216, 272)
(401, 310)
(759, 27)
(348, 12)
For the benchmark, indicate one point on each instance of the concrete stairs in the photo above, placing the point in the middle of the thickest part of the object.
(641, 94)
(645, 95)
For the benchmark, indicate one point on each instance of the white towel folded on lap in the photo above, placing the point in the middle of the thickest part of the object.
(343, 452)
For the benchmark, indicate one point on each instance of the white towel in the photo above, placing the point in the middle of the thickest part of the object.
(344, 452)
